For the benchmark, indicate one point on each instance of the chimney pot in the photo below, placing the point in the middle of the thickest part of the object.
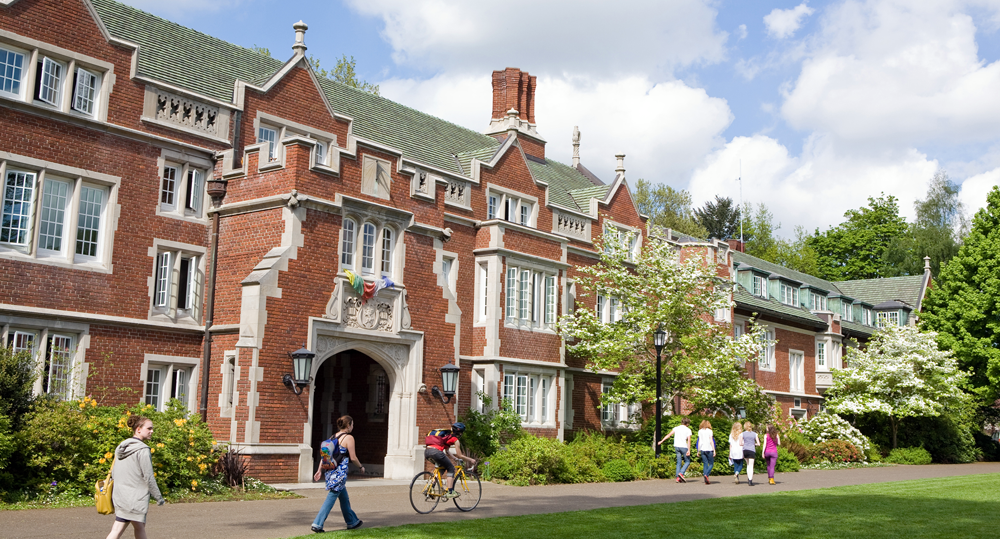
(576, 146)
(621, 163)
(300, 37)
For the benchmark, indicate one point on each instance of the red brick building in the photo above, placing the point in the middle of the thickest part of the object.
(127, 138)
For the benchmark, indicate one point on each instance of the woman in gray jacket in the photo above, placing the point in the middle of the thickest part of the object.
(134, 481)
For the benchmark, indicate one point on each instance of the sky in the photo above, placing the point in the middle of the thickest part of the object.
(808, 107)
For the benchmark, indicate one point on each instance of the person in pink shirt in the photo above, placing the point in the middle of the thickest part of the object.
(771, 442)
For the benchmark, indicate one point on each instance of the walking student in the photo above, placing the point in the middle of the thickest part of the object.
(750, 443)
(706, 447)
(771, 442)
(736, 449)
(134, 480)
(682, 446)
(336, 455)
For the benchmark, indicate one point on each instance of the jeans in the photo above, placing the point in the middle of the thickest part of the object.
(682, 458)
(345, 507)
(737, 466)
(707, 461)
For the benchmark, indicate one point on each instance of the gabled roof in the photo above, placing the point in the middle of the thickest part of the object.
(211, 67)
(907, 289)
(774, 307)
(770, 267)
(184, 57)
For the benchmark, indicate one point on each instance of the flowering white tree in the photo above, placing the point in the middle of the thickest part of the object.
(901, 373)
(701, 362)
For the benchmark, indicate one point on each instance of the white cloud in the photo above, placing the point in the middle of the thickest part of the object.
(782, 23)
(975, 189)
(741, 32)
(552, 37)
(817, 187)
(664, 129)
(896, 73)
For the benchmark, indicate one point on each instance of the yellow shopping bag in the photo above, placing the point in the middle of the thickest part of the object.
(102, 493)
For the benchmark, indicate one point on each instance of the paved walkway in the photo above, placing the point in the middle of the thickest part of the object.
(380, 503)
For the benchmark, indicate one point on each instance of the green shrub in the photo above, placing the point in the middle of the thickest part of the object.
(825, 426)
(528, 460)
(909, 455)
(989, 447)
(949, 438)
(486, 432)
(787, 461)
(6, 441)
(618, 470)
(17, 380)
(835, 451)
(71, 443)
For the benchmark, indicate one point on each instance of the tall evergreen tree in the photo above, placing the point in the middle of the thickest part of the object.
(963, 306)
(720, 217)
(856, 248)
(936, 233)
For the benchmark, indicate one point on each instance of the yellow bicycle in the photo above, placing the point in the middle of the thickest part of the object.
(427, 489)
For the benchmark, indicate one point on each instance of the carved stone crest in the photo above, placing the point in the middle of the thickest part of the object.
(374, 315)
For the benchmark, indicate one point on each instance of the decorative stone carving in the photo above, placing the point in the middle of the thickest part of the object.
(334, 308)
(399, 354)
(572, 226)
(405, 320)
(186, 113)
(374, 315)
(422, 186)
(457, 192)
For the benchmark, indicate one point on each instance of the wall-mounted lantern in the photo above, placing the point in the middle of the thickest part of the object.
(302, 360)
(449, 381)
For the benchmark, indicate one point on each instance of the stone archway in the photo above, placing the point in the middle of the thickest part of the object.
(401, 360)
(351, 383)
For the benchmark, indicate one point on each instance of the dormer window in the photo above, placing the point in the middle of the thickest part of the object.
(789, 295)
(818, 302)
(759, 286)
(846, 311)
(887, 318)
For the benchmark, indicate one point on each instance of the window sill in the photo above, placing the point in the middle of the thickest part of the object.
(174, 214)
(524, 327)
(12, 253)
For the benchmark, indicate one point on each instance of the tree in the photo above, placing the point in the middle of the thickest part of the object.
(701, 362)
(17, 380)
(344, 73)
(937, 231)
(901, 373)
(760, 241)
(856, 249)
(963, 306)
(668, 208)
(720, 217)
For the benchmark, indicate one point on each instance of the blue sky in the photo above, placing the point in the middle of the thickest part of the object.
(820, 104)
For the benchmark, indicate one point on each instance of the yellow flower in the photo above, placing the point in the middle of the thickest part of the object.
(160, 445)
(152, 450)
(189, 459)
(85, 464)
(191, 444)
(194, 483)
(108, 455)
(93, 404)
(202, 466)
(102, 461)
(83, 405)
(95, 431)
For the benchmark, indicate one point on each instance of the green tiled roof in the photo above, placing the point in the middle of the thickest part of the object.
(750, 302)
(856, 328)
(182, 56)
(746, 260)
(568, 187)
(906, 289)
(209, 66)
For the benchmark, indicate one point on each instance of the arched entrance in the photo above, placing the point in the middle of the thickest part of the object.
(352, 383)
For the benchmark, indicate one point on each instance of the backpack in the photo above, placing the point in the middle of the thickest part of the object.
(330, 452)
(438, 437)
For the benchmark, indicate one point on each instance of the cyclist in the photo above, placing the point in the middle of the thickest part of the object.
(438, 442)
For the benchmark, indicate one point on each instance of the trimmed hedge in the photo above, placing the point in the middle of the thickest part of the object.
(909, 455)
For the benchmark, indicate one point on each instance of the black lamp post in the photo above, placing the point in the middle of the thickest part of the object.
(449, 381)
(301, 365)
(659, 340)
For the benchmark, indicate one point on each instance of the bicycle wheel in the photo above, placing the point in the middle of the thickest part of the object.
(425, 492)
(470, 488)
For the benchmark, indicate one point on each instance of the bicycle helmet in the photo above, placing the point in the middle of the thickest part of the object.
(457, 428)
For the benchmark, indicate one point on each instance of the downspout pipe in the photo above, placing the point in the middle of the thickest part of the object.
(216, 190)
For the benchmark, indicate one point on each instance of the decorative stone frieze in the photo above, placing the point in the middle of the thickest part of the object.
(573, 226)
(457, 192)
(172, 110)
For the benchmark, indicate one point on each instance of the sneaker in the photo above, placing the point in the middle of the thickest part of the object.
(706, 480)
(770, 480)
(317, 530)
(452, 494)
(680, 479)
(750, 482)
(737, 480)
(356, 526)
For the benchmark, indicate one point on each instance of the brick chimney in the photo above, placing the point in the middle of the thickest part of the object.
(513, 89)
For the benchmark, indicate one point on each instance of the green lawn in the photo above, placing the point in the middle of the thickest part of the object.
(956, 507)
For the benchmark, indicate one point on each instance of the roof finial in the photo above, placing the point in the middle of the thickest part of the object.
(927, 263)
(576, 146)
(621, 163)
(300, 37)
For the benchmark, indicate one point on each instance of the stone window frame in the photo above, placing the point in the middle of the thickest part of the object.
(622, 412)
(37, 52)
(78, 178)
(42, 330)
(171, 312)
(633, 234)
(171, 364)
(360, 220)
(822, 355)
(183, 163)
(534, 396)
(505, 197)
(801, 372)
(536, 309)
(229, 396)
(288, 129)
(768, 356)
(487, 286)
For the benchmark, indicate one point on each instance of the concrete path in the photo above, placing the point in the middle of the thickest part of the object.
(381, 503)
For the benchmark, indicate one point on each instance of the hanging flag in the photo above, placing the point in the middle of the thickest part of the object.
(369, 292)
(379, 285)
(388, 282)
(356, 282)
